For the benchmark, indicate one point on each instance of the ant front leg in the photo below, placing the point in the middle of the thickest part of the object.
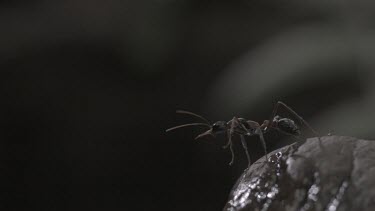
(243, 141)
(230, 132)
(244, 145)
(234, 123)
(259, 132)
(230, 145)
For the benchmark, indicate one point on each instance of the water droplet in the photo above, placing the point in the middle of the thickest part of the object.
(270, 160)
(313, 192)
(266, 205)
(261, 196)
(252, 186)
(254, 182)
(274, 191)
(271, 195)
(335, 202)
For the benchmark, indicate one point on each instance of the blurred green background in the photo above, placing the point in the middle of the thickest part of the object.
(89, 87)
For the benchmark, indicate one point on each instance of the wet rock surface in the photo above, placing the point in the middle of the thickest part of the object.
(336, 173)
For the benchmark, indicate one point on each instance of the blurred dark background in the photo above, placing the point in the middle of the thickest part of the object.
(89, 87)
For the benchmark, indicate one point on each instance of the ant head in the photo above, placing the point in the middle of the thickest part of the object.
(217, 127)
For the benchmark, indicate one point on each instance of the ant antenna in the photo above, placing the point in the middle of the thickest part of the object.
(193, 114)
(186, 125)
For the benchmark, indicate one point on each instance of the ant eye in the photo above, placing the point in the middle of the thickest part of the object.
(218, 126)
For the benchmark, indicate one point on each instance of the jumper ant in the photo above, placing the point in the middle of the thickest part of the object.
(243, 127)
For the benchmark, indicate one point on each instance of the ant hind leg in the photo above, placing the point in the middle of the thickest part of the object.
(259, 132)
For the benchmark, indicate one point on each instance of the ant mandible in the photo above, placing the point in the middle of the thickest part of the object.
(244, 127)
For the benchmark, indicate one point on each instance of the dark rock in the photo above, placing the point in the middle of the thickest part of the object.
(336, 173)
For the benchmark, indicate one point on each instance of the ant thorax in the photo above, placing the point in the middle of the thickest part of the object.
(243, 126)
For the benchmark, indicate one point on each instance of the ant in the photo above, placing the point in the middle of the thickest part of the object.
(244, 127)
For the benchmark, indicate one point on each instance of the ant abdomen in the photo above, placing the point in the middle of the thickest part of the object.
(288, 126)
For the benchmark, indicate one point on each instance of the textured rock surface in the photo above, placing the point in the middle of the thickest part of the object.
(336, 173)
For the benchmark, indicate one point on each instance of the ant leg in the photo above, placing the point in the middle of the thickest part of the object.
(257, 131)
(242, 125)
(229, 134)
(244, 145)
(230, 144)
(260, 134)
(232, 152)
